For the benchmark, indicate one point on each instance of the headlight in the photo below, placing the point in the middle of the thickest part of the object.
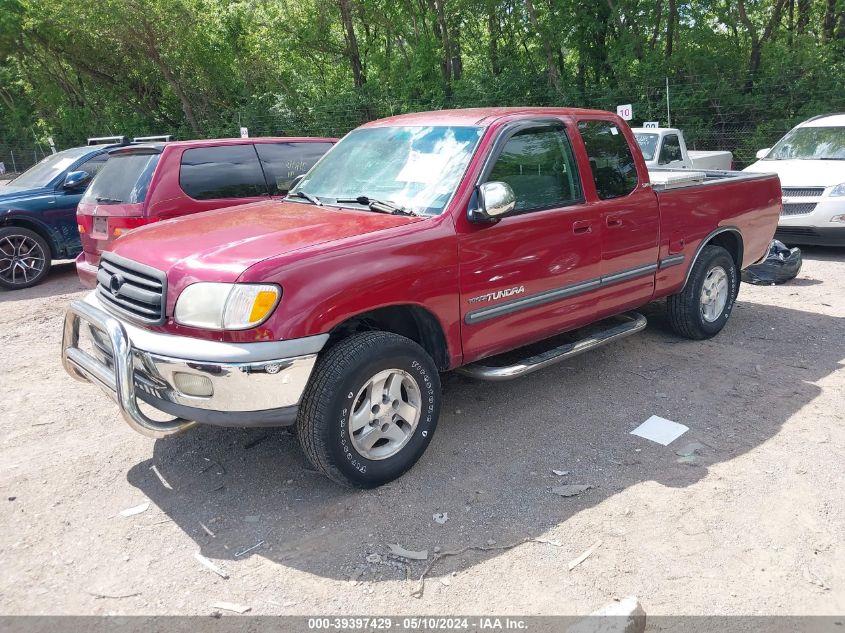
(217, 306)
(838, 190)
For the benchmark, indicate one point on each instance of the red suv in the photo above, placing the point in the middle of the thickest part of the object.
(145, 183)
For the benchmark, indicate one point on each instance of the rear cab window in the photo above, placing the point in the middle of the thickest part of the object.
(671, 150)
(225, 171)
(611, 161)
(282, 162)
(123, 179)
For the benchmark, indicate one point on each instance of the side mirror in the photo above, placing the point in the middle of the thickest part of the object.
(763, 152)
(76, 180)
(495, 200)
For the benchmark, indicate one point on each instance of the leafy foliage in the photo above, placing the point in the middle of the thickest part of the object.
(741, 72)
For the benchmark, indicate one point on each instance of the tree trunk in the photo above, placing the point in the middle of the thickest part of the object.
(493, 34)
(829, 20)
(441, 30)
(804, 16)
(351, 44)
(457, 61)
(758, 40)
(670, 27)
(790, 24)
(658, 14)
(551, 68)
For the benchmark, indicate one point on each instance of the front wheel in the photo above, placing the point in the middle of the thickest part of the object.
(702, 308)
(24, 258)
(370, 409)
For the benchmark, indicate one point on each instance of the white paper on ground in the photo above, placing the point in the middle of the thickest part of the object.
(660, 430)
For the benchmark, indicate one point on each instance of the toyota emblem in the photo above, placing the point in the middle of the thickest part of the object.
(115, 283)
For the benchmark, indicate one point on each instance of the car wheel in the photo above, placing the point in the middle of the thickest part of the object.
(370, 409)
(24, 258)
(703, 307)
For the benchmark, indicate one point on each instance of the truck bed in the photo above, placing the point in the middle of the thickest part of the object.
(743, 202)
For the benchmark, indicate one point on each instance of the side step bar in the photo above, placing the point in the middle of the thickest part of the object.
(632, 323)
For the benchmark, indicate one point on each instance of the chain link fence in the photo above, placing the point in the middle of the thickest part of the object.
(712, 112)
(18, 158)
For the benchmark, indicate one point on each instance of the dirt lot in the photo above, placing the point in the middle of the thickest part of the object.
(755, 525)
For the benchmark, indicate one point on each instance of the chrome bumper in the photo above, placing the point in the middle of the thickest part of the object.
(250, 384)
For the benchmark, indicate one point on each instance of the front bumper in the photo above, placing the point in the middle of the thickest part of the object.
(197, 381)
(811, 235)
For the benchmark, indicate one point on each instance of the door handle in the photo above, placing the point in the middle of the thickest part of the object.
(581, 227)
(613, 221)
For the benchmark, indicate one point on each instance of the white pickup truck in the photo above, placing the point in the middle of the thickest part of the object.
(665, 148)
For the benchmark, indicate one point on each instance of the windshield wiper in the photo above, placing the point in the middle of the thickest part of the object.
(381, 206)
(108, 201)
(307, 196)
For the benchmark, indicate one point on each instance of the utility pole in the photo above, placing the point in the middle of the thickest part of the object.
(668, 113)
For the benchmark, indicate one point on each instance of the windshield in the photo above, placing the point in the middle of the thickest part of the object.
(647, 143)
(417, 168)
(810, 143)
(44, 172)
(124, 179)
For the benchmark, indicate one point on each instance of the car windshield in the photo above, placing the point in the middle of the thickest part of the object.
(416, 168)
(647, 143)
(810, 143)
(124, 179)
(44, 172)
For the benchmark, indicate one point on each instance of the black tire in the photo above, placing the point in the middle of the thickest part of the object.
(323, 424)
(684, 310)
(18, 272)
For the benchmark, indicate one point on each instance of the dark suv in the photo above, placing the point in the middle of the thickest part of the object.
(38, 214)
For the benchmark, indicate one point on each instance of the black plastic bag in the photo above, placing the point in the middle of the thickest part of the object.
(780, 265)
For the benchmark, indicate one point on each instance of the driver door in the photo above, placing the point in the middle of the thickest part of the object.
(534, 272)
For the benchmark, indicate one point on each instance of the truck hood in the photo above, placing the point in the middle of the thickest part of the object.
(221, 245)
(803, 173)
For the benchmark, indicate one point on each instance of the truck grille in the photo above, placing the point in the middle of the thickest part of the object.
(132, 289)
(802, 208)
(802, 192)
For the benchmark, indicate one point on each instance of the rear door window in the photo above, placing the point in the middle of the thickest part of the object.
(611, 161)
(123, 179)
(226, 171)
(282, 162)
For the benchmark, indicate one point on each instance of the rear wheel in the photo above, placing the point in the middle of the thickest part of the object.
(24, 258)
(370, 409)
(703, 307)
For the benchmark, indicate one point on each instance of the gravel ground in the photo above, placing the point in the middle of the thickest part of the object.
(753, 525)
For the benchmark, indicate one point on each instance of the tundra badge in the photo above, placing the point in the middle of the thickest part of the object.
(498, 294)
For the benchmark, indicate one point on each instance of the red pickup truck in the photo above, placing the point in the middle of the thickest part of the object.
(418, 244)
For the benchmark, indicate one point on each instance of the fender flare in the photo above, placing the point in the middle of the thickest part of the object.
(11, 218)
(722, 229)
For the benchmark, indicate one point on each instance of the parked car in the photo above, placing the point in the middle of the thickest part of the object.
(810, 161)
(145, 183)
(665, 148)
(418, 244)
(38, 214)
